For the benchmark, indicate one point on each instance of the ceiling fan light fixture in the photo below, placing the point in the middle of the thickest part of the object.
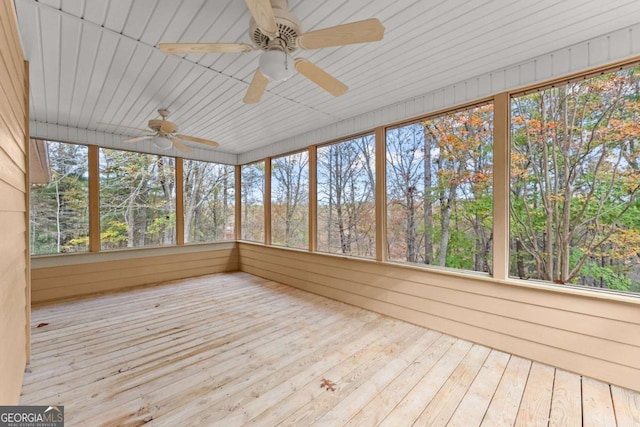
(162, 142)
(276, 65)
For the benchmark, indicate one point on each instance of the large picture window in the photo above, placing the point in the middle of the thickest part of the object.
(575, 183)
(439, 190)
(252, 193)
(209, 201)
(290, 200)
(60, 199)
(137, 200)
(346, 197)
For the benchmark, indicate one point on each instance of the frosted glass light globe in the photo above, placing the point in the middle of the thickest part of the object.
(162, 142)
(276, 65)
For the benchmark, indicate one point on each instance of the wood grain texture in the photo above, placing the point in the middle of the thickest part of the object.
(234, 349)
(599, 338)
(505, 403)
(51, 283)
(14, 254)
(566, 404)
(627, 406)
(597, 404)
(536, 400)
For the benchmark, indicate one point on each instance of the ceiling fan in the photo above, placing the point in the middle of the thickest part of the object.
(165, 134)
(277, 32)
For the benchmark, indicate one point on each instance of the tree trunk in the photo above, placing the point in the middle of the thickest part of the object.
(410, 231)
(428, 202)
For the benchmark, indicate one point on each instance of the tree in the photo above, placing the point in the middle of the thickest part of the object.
(346, 207)
(406, 188)
(575, 181)
(137, 199)
(59, 209)
(252, 193)
(439, 175)
(208, 201)
(290, 200)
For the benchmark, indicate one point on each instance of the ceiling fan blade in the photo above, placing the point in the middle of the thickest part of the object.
(320, 77)
(369, 30)
(179, 145)
(256, 88)
(262, 13)
(198, 140)
(182, 48)
(138, 138)
(122, 126)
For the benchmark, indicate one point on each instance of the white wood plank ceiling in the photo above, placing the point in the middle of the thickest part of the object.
(96, 60)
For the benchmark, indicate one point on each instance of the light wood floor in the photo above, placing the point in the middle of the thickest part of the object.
(235, 349)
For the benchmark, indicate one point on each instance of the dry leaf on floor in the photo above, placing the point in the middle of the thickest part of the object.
(40, 325)
(328, 384)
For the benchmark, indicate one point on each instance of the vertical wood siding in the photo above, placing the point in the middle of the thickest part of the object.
(13, 208)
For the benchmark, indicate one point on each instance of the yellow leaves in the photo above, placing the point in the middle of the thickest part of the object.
(624, 244)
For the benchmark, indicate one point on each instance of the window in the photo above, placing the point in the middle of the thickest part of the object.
(575, 183)
(439, 190)
(290, 200)
(209, 200)
(137, 200)
(346, 201)
(59, 198)
(252, 192)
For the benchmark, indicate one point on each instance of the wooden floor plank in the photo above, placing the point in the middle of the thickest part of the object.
(234, 349)
(504, 405)
(627, 406)
(445, 402)
(535, 406)
(350, 404)
(303, 395)
(597, 404)
(182, 373)
(393, 392)
(473, 406)
(566, 405)
(429, 385)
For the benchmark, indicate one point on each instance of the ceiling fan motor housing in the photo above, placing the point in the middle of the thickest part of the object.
(288, 29)
(163, 127)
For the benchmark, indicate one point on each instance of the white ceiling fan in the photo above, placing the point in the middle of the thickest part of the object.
(164, 134)
(277, 32)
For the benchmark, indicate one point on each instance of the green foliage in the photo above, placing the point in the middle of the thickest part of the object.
(439, 190)
(575, 183)
(59, 209)
(606, 277)
(460, 250)
(137, 190)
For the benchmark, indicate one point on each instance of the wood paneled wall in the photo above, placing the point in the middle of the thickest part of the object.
(66, 276)
(596, 336)
(14, 260)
